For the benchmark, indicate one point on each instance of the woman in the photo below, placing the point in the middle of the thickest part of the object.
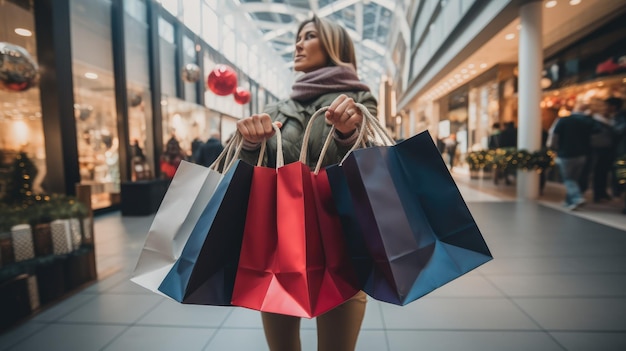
(324, 53)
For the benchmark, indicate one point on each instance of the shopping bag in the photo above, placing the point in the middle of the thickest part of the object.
(408, 227)
(185, 199)
(293, 256)
(205, 271)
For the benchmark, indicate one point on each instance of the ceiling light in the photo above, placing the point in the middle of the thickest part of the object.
(23, 32)
(483, 65)
(91, 75)
(509, 36)
(470, 66)
(574, 2)
(550, 4)
(518, 27)
(464, 70)
(473, 71)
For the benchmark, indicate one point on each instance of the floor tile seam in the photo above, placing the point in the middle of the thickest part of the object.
(584, 215)
(536, 322)
(563, 296)
(58, 303)
(588, 331)
(471, 330)
(30, 335)
(128, 326)
(173, 325)
(384, 325)
(220, 327)
(506, 296)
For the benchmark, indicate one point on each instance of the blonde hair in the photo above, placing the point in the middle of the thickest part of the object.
(335, 41)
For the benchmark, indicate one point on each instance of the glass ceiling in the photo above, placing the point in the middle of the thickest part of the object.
(369, 23)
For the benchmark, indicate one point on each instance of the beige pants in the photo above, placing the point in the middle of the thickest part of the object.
(337, 329)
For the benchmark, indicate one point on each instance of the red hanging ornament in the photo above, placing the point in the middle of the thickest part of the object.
(222, 80)
(242, 96)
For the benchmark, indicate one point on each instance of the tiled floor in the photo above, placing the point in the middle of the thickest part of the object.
(557, 282)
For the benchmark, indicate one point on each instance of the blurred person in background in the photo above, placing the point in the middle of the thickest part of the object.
(207, 152)
(570, 138)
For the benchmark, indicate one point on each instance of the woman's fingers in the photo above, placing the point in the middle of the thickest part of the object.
(344, 114)
(257, 127)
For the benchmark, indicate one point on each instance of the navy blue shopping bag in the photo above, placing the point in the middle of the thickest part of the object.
(408, 228)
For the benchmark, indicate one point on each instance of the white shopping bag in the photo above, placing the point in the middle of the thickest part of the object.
(188, 194)
(185, 199)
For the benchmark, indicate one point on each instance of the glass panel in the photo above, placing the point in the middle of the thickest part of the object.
(171, 6)
(229, 44)
(210, 27)
(191, 15)
(21, 128)
(184, 123)
(166, 30)
(167, 49)
(139, 95)
(189, 56)
(94, 98)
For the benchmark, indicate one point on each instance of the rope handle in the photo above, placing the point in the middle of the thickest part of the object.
(229, 154)
(369, 129)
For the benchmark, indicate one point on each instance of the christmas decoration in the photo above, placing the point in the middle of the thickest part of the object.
(134, 98)
(609, 66)
(23, 173)
(18, 70)
(511, 158)
(222, 80)
(191, 73)
(242, 96)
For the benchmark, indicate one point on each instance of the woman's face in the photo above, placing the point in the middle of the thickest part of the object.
(309, 54)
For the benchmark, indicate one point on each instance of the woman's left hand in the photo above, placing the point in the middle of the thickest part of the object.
(344, 115)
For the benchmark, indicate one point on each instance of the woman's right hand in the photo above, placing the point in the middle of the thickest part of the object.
(256, 128)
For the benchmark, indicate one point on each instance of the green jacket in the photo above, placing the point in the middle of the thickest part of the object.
(294, 117)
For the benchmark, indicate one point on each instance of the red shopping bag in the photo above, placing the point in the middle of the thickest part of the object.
(293, 257)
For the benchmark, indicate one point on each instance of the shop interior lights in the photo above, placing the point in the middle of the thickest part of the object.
(23, 32)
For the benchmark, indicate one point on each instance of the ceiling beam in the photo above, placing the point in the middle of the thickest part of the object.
(271, 7)
(335, 6)
(358, 18)
(314, 5)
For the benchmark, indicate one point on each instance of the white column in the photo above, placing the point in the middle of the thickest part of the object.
(529, 93)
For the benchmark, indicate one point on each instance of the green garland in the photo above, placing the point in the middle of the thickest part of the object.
(22, 205)
(620, 170)
(511, 158)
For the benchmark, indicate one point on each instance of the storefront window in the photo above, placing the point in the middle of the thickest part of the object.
(186, 122)
(21, 128)
(94, 100)
(484, 111)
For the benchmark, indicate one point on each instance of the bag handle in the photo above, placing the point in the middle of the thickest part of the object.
(370, 127)
(280, 158)
(229, 154)
(232, 150)
(307, 135)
